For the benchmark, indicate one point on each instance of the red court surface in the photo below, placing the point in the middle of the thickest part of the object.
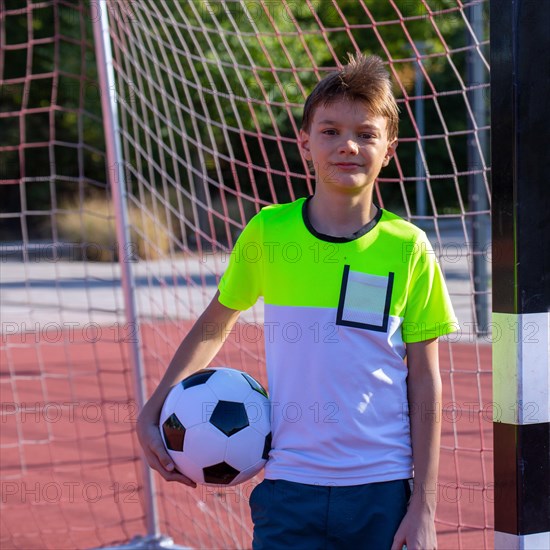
(71, 474)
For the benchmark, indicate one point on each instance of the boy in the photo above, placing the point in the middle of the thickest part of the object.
(349, 290)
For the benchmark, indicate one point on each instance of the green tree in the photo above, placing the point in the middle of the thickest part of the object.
(211, 93)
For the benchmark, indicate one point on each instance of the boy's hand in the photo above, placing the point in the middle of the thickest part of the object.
(154, 450)
(416, 531)
(195, 352)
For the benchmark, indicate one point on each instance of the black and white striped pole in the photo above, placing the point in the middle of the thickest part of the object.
(520, 149)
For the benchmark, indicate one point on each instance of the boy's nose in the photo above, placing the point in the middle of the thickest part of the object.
(349, 146)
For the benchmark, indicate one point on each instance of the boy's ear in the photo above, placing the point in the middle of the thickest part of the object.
(390, 152)
(303, 143)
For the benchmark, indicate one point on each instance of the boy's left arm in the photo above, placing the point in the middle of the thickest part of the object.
(417, 530)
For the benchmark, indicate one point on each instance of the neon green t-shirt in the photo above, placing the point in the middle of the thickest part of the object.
(338, 313)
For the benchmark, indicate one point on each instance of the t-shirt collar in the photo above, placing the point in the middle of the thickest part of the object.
(332, 239)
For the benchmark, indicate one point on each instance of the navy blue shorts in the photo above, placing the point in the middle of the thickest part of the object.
(289, 515)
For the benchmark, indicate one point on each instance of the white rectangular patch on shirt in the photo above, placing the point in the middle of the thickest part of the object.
(364, 300)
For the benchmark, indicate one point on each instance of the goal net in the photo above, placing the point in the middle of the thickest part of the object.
(208, 106)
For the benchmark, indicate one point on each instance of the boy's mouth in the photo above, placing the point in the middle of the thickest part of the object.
(347, 165)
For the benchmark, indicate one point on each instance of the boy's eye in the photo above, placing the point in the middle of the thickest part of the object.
(334, 132)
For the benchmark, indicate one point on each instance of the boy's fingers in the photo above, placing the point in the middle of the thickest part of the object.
(153, 461)
(174, 475)
(180, 478)
(152, 442)
(398, 541)
(162, 456)
(157, 457)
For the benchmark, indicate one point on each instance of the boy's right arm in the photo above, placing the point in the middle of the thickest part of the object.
(197, 349)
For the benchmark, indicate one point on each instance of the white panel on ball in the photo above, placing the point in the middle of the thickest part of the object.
(229, 385)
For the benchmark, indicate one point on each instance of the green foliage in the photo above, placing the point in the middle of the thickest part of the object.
(232, 77)
(242, 71)
(63, 97)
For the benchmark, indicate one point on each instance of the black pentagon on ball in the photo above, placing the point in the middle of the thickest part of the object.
(254, 384)
(220, 473)
(229, 417)
(267, 446)
(174, 433)
(197, 378)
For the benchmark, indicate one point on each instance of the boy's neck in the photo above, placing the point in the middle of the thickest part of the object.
(340, 215)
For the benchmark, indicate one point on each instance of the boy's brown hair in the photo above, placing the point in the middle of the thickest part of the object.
(363, 79)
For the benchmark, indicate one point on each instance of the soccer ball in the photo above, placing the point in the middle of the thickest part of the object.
(216, 426)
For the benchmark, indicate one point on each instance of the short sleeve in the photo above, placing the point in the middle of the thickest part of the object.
(242, 283)
(428, 312)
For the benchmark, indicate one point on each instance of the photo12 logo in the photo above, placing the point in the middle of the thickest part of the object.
(53, 492)
(68, 332)
(69, 411)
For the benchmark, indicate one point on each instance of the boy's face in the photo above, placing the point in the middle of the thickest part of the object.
(347, 145)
